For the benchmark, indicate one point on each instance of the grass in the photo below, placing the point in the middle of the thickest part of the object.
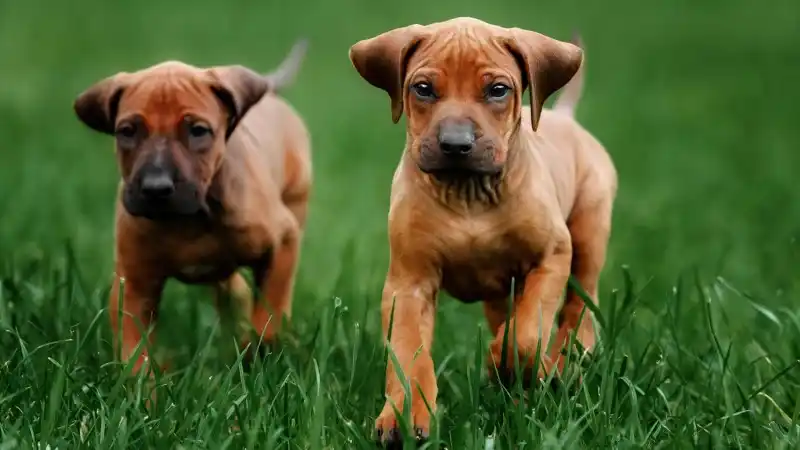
(701, 340)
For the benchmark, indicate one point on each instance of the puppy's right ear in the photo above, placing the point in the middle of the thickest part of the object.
(97, 106)
(382, 61)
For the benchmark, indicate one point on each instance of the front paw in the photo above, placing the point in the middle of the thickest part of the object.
(509, 366)
(256, 350)
(571, 342)
(388, 431)
(145, 366)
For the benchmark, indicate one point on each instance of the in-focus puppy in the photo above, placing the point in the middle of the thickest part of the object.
(487, 191)
(216, 176)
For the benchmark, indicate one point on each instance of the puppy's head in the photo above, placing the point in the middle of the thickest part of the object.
(460, 83)
(170, 123)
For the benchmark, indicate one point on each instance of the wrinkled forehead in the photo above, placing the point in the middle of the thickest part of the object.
(165, 94)
(464, 49)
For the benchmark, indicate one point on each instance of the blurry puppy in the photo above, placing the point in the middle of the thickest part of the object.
(216, 175)
(487, 191)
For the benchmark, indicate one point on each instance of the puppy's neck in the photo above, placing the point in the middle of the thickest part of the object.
(234, 189)
(465, 192)
(472, 192)
(221, 190)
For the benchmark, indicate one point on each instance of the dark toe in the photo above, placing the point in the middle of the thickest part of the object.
(509, 377)
(393, 439)
(421, 435)
(390, 439)
(254, 352)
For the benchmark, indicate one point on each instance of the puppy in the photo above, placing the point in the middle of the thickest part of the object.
(216, 175)
(487, 192)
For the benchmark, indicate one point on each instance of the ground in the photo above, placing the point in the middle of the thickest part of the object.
(701, 337)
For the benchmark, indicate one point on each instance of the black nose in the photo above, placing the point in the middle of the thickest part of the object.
(456, 139)
(157, 185)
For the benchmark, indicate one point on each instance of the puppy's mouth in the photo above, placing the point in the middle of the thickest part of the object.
(185, 203)
(440, 161)
(479, 164)
(445, 172)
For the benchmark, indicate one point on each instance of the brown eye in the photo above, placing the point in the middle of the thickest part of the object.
(126, 131)
(423, 91)
(199, 131)
(498, 91)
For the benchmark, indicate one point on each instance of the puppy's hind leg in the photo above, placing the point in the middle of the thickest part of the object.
(276, 274)
(275, 278)
(590, 229)
(534, 311)
(234, 302)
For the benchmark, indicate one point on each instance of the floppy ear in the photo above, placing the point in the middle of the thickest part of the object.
(238, 88)
(97, 106)
(382, 60)
(547, 64)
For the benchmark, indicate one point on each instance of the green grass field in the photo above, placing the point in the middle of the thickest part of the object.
(696, 102)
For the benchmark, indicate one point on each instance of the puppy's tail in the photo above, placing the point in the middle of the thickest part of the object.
(285, 74)
(567, 101)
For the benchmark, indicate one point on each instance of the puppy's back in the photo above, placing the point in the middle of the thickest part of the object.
(594, 168)
(273, 138)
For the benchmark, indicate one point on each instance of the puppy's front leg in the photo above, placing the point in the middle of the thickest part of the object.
(139, 308)
(533, 315)
(276, 282)
(413, 300)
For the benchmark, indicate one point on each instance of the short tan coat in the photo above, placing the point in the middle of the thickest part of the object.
(249, 174)
(530, 204)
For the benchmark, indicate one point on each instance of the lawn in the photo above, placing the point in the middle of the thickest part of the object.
(695, 101)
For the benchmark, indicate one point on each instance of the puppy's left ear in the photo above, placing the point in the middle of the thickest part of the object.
(547, 65)
(97, 106)
(238, 88)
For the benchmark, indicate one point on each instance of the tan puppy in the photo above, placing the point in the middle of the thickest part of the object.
(216, 175)
(487, 191)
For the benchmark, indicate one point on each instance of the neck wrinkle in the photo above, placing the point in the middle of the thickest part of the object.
(467, 193)
(472, 193)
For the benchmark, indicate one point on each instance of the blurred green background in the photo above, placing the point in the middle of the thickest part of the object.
(695, 101)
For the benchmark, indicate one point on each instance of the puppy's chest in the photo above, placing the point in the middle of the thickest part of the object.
(480, 259)
(211, 257)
